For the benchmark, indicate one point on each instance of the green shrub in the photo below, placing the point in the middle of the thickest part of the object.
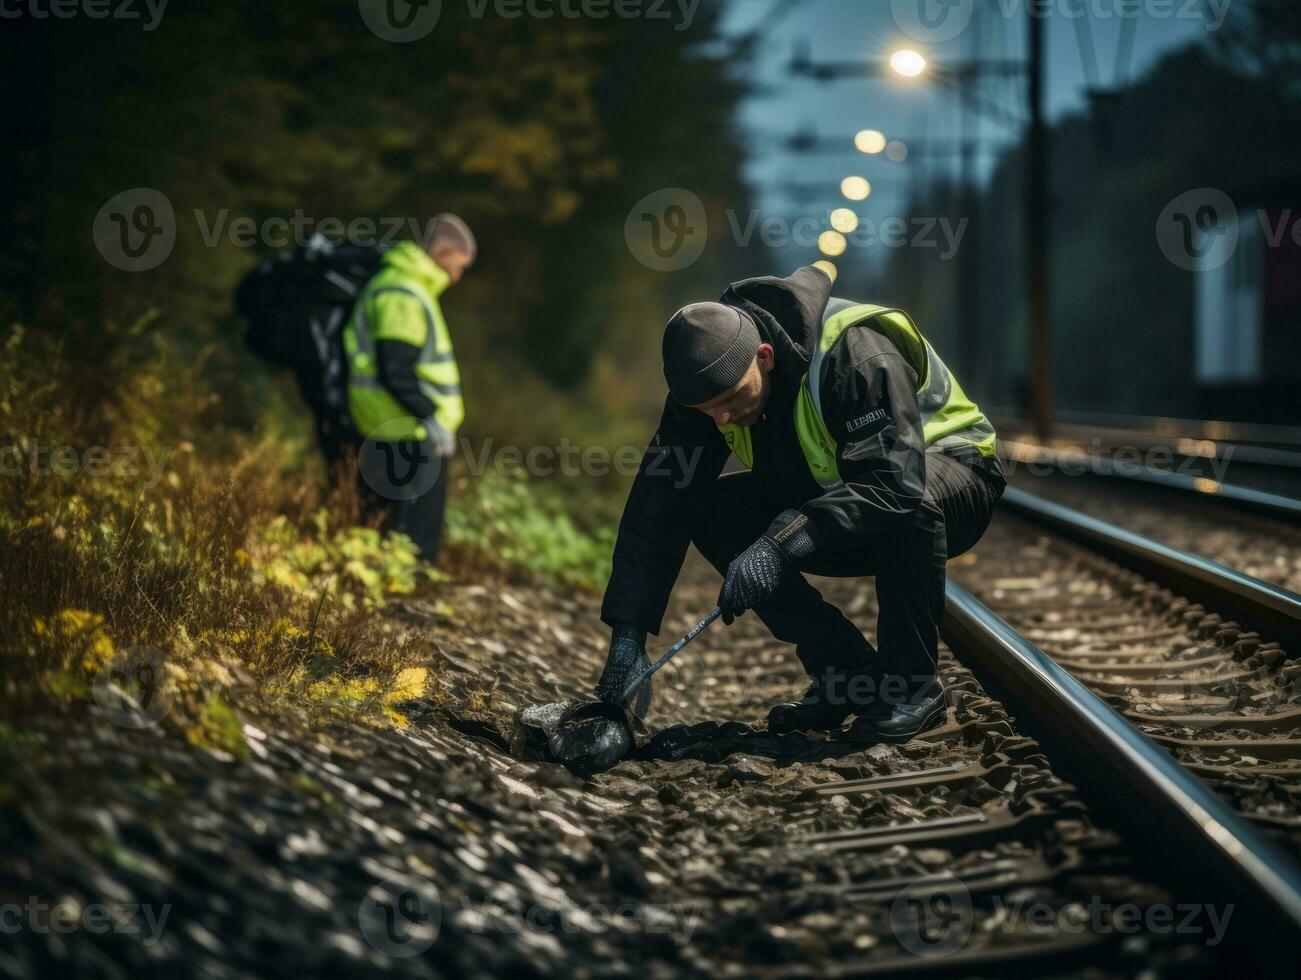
(526, 524)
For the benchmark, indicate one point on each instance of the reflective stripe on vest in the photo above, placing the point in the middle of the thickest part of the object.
(375, 412)
(949, 418)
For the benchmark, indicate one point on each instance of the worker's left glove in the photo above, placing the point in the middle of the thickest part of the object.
(627, 659)
(757, 572)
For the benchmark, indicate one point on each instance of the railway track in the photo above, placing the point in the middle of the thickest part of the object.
(1077, 462)
(1177, 722)
(1264, 458)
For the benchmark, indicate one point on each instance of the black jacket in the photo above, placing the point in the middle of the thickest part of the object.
(868, 403)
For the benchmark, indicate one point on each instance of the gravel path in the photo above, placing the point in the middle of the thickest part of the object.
(344, 849)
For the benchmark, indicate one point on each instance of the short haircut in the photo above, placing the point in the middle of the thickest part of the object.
(448, 229)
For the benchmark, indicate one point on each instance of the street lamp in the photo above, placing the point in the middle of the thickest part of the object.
(856, 188)
(828, 267)
(844, 220)
(907, 63)
(870, 141)
(832, 244)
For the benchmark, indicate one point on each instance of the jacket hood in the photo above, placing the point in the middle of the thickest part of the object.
(795, 304)
(413, 262)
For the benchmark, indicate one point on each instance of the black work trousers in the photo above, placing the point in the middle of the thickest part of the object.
(908, 564)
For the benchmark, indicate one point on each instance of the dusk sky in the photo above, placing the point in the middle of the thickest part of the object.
(918, 108)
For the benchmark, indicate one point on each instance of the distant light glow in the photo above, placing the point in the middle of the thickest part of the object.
(870, 141)
(832, 243)
(907, 63)
(1204, 448)
(828, 267)
(844, 220)
(856, 188)
(896, 150)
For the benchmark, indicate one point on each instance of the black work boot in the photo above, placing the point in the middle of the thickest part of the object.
(925, 709)
(831, 698)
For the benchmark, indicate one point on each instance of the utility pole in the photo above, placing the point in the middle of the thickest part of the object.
(969, 202)
(1040, 366)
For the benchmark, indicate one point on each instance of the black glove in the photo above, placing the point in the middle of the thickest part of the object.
(757, 572)
(626, 659)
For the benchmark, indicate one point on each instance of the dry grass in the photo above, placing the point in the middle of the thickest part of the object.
(250, 584)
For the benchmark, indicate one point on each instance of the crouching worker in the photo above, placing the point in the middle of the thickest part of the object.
(864, 458)
(404, 387)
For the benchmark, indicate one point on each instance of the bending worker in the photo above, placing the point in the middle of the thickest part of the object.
(864, 458)
(404, 387)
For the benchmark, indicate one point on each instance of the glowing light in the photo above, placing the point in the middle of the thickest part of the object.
(844, 220)
(856, 188)
(896, 150)
(907, 63)
(870, 141)
(828, 267)
(832, 243)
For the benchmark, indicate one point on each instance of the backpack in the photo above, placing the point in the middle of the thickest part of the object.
(296, 305)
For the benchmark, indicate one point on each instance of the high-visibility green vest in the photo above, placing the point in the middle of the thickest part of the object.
(401, 303)
(949, 418)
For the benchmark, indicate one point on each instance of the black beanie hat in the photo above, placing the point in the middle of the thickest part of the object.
(707, 349)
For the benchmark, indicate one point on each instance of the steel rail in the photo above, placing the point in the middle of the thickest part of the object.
(1194, 836)
(1065, 460)
(1270, 609)
(1167, 427)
